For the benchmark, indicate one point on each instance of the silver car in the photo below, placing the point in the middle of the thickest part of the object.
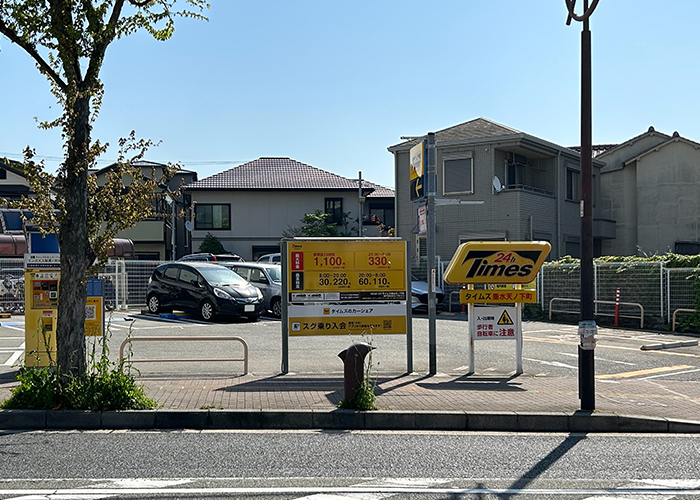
(267, 277)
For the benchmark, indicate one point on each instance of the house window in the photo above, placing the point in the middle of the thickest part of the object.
(3, 173)
(573, 185)
(687, 247)
(211, 216)
(458, 176)
(334, 207)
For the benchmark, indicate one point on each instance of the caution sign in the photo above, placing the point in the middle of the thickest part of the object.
(514, 262)
(505, 319)
(495, 323)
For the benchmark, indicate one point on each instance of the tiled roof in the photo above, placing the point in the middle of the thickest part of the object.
(282, 173)
(477, 128)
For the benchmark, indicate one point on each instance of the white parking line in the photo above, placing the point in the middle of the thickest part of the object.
(552, 363)
(599, 359)
(669, 374)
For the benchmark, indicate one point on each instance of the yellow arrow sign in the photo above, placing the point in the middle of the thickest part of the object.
(497, 262)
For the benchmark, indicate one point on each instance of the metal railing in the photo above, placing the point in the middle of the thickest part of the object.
(244, 359)
(673, 323)
(599, 313)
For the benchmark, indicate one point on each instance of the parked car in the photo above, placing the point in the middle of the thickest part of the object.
(202, 287)
(270, 258)
(419, 296)
(210, 257)
(267, 277)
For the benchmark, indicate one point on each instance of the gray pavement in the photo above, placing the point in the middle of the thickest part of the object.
(410, 401)
(478, 402)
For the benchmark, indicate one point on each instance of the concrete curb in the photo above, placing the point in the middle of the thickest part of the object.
(578, 421)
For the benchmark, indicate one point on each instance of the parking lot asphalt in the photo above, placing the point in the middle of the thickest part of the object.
(478, 402)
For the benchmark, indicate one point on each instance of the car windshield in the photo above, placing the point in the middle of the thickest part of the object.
(275, 273)
(222, 276)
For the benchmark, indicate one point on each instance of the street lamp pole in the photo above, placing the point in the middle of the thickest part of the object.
(587, 322)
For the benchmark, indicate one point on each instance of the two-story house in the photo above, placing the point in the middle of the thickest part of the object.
(163, 235)
(651, 188)
(249, 207)
(516, 187)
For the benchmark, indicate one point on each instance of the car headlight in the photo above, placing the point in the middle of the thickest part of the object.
(222, 294)
(260, 295)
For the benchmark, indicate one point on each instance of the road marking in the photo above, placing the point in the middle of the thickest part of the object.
(669, 374)
(638, 492)
(13, 359)
(598, 359)
(637, 373)
(552, 363)
(602, 346)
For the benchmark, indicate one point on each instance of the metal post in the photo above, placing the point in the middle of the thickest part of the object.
(172, 230)
(586, 356)
(360, 200)
(430, 182)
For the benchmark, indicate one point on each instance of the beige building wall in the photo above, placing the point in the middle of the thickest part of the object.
(258, 218)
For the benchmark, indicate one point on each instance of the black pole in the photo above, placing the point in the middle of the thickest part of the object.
(587, 371)
(586, 359)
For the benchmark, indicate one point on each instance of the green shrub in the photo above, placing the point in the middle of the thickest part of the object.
(106, 386)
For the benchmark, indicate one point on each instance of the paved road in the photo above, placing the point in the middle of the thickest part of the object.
(317, 465)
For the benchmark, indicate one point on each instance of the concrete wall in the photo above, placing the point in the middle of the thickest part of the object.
(668, 199)
(654, 199)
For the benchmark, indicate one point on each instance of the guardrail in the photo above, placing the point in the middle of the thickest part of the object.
(177, 339)
(673, 322)
(610, 302)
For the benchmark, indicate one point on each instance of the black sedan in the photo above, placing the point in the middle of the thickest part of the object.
(204, 288)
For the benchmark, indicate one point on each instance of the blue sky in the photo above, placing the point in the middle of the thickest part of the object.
(333, 84)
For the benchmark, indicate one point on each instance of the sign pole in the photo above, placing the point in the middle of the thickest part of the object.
(430, 179)
(519, 338)
(285, 314)
(472, 333)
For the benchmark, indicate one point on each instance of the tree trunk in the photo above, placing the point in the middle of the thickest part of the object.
(74, 244)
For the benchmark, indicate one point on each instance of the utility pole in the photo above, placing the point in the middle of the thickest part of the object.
(587, 326)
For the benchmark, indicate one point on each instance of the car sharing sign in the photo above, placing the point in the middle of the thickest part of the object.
(512, 262)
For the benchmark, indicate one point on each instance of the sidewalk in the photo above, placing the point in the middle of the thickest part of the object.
(476, 402)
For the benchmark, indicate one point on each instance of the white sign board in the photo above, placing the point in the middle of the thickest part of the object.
(495, 323)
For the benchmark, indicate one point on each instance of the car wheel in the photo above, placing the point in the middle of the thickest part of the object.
(277, 307)
(206, 310)
(153, 304)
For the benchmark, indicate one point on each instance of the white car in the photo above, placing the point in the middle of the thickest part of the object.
(266, 277)
(270, 258)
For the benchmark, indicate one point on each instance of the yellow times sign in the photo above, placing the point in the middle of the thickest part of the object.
(513, 262)
(497, 296)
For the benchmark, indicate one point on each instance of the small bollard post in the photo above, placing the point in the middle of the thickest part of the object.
(354, 367)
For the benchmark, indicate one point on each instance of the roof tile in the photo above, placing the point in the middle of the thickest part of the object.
(282, 173)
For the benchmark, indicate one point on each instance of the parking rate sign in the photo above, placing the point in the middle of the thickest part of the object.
(346, 286)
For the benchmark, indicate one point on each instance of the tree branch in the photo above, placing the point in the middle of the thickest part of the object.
(61, 20)
(31, 50)
(101, 44)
